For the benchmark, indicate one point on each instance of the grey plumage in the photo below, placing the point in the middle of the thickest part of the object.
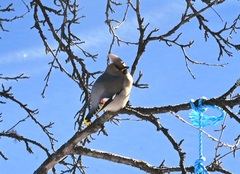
(114, 84)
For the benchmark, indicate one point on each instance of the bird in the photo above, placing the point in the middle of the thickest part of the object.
(111, 91)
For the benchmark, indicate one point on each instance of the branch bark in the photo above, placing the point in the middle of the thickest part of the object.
(143, 113)
(116, 158)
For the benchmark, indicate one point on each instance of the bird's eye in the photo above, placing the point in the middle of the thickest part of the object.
(120, 68)
(124, 71)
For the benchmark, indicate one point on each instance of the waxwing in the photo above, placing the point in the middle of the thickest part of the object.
(111, 90)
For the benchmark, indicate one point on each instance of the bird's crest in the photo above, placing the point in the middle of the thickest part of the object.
(117, 61)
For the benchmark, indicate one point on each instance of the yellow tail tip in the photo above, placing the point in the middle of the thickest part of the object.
(87, 122)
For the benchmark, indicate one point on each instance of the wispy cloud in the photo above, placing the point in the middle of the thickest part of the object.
(97, 37)
(26, 54)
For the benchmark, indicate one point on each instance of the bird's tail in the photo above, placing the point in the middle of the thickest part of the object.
(87, 120)
(103, 103)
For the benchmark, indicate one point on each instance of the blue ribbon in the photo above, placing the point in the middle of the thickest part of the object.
(199, 168)
(197, 112)
(200, 120)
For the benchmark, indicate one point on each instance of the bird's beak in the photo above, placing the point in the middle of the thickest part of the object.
(125, 68)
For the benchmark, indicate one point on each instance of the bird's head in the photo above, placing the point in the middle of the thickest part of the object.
(118, 63)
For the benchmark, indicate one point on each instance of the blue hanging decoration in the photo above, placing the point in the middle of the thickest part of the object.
(200, 120)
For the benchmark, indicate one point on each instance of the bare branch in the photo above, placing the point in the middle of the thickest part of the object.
(61, 42)
(116, 158)
(15, 136)
(137, 81)
(19, 77)
(3, 156)
(220, 40)
(143, 113)
(10, 9)
(31, 113)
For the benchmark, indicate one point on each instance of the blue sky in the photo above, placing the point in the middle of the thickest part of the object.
(164, 70)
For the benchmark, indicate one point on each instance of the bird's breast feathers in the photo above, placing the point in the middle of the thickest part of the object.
(118, 102)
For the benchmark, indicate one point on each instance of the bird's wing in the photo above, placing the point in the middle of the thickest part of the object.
(109, 86)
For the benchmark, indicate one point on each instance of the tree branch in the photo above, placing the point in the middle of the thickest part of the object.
(140, 112)
(116, 158)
